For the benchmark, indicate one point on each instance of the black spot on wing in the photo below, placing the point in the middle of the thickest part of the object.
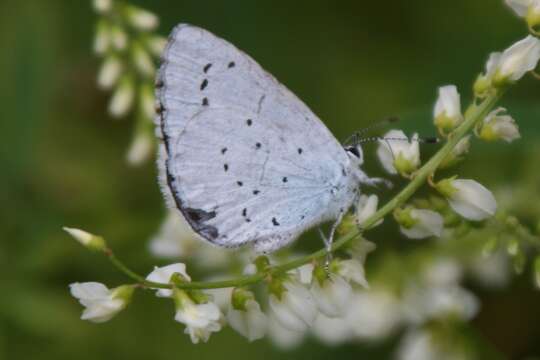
(204, 84)
(196, 218)
(207, 67)
(275, 222)
(205, 102)
(249, 122)
(231, 64)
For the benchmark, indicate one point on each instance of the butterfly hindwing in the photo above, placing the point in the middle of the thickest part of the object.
(244, 159)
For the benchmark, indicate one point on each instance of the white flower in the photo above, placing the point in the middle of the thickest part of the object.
(100, 302)
(499, 126)
(484, 81)
(518, 59)
(420, 223)
(447, 112)
(282, 337)
(359, 249)
(365, 208)
(246, 317)
(423, 303)
(305, 273)
(122, 98)
(200, 319)
(102, 6)
(398, 154)
(163, 275)
(141, 148)
(87, 239)
(468, 198)
(118, 38)
(373, 314)
(142, 60)
(296, 309)
(332, 296)
(331, 331)
(528, 9)
(110, 72)
(352, 270)
(141, 19)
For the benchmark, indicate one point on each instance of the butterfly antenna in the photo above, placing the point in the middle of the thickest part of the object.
(354, 138)
(426, 140)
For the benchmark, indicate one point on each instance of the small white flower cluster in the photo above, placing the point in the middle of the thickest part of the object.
(126, 41)
(468, 198)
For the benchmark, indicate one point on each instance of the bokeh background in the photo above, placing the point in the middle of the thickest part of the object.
(62, 158)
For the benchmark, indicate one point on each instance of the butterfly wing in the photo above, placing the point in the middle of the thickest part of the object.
(244, 159)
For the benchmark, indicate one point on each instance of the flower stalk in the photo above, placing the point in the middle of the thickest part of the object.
(473, 116)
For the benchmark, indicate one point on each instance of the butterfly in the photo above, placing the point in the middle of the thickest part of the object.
(241, 157)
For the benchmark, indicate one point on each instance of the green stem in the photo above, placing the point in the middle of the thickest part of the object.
(476, 113)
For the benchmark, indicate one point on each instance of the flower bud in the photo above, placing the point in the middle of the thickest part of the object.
(419, 223)
(365, 208)
(123, 97)
(119, 38)
(517, 60)
(468, 198)
(102, 6)
(245, 315)
(447, 112)
(397, 154)
(102, 40)
(141, 148)
(142, 60)
(141, 19)
(292, 304)
(498, 126)
(483, 83)
(90, 241)
(110, 72)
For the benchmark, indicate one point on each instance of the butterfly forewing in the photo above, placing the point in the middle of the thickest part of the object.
(244, 159)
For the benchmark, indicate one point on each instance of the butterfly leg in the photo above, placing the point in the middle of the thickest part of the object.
(328, 241)
(376, 182)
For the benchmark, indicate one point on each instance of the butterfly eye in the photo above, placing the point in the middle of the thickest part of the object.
(353, 150)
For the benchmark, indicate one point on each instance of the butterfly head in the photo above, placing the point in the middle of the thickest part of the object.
(355, 153)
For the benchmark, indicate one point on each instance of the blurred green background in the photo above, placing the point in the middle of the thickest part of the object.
(62, 158)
